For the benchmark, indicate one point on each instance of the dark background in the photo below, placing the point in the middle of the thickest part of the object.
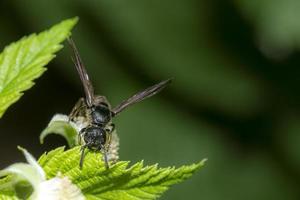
(234, 98)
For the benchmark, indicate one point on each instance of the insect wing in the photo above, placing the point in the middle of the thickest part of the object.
(87, 85)
(141, 96)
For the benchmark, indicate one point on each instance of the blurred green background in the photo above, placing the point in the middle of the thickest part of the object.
(234, 98)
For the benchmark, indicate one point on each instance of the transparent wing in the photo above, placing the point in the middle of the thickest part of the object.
(140, 96)
(87, 85)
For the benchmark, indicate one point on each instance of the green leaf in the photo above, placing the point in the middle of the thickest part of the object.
(28, 180)
(119, 181)
(8, 197)
(23, 61)
(60, 125)
(7, 186)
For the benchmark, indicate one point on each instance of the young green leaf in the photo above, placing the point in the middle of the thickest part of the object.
(8, 197)
(119, 181)
(23, 61)
(61, 125)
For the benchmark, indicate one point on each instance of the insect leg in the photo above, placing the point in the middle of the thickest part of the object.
(82, 156)
(105, 160)
(104, 152)
(113, 126)
(76, 109)
(81, 132)
(110, 128)
(79, 138)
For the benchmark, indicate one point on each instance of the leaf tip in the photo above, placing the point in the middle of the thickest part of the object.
(70, 22)
(198, 165)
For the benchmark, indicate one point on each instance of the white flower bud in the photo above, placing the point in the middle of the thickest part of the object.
(58, 188)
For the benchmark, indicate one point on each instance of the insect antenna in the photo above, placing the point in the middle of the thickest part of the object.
(140, 96)
(87, 85)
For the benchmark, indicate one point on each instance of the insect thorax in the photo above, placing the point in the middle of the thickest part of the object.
(100, 114)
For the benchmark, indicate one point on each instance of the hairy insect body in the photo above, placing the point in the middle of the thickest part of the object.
(95, 112)
(96, 135)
